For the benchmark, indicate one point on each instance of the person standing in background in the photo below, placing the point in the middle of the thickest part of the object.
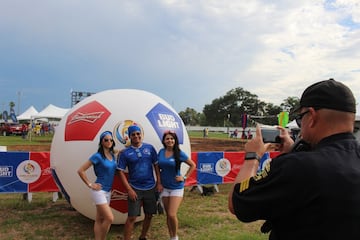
(170, 158)
(104, 164)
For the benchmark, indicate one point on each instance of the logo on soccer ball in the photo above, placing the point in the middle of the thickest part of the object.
(121, 132)
(164, 119)
(91, 117)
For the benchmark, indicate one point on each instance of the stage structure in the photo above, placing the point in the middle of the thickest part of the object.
(78, 96)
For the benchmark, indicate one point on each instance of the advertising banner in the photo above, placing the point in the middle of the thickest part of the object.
(12, 164)
(45, 182)
(26, 172)
(22, 172)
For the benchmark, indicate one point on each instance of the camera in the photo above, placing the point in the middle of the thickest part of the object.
(270, 135)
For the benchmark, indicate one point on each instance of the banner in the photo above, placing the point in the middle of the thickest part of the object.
(26, 172)
(23, 172)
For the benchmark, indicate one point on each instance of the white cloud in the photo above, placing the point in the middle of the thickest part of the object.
(188, 52)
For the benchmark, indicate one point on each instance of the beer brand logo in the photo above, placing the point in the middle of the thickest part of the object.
(6, 171)
(119, 195)
(164, 119)
(86, 117)
(206, 167)
(91, 117)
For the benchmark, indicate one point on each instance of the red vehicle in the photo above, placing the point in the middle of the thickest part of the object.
(7, 129)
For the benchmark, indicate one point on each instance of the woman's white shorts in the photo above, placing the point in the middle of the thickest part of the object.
(100, 197)
(172, 192)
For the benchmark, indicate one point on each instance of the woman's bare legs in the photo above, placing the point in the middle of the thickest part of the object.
(103, 221)
(171, 206)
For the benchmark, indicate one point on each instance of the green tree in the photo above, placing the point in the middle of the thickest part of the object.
(190, 116)
(271, 117)
(228, 110)
(289, 104)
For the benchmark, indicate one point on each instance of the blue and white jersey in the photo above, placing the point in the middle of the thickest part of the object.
(139, 162)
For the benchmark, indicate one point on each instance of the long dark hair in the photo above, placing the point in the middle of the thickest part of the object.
(100, 147)
(176, 148)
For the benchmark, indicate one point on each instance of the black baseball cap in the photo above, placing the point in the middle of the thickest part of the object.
(328, 94)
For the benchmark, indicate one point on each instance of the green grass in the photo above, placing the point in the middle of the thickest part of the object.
(200, 218)
(216, 135)
(45, 140)
(18, 140)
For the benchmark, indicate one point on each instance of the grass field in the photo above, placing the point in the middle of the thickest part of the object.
(200, 217)
(45, 140)
(218, 135)
(17, 140)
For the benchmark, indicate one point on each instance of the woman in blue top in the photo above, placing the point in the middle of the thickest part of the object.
(169, 159)
(104, 164)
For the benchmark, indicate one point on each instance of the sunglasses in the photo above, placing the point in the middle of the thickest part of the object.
(136, 134)
(107, 140)
(299, 117)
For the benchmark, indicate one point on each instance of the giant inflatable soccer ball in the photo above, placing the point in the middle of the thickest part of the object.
(77, 137)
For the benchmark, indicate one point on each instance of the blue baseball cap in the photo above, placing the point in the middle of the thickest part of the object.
(133, 128)
(102, 135)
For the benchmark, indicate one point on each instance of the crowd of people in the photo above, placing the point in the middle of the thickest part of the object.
(310, 190)
(37, 129)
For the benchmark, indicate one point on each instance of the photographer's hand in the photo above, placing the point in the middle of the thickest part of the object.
(249, 168)
(256, 144)
(286, 140)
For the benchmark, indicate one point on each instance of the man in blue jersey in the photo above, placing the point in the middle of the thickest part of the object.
(140, 160)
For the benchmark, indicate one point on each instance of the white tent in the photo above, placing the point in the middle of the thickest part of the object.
(51, 111)
(31, 111)
(292, 124)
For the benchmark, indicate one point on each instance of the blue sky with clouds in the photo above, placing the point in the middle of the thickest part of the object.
(187, 52)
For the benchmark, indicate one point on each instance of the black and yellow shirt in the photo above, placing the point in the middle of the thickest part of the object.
(307, 195)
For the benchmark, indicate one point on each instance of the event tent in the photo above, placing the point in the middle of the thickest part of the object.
(27, 115)
(51, 112)
(292, 124)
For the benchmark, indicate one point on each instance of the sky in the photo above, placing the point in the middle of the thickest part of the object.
(187, 52)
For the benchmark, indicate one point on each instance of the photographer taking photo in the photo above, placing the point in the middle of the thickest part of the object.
(311, 190)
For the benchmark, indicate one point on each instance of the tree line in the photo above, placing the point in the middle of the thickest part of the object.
(227, 110)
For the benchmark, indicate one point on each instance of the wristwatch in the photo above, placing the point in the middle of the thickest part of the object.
(252, 156)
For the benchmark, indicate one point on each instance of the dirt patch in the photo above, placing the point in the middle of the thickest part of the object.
(197, 145)
(29, 148)
(216, 145)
